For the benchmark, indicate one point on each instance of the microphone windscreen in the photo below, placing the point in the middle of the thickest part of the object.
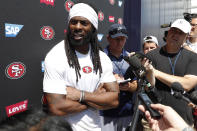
(193, 97)
(178, 95)
(176, 86)
(133, 61)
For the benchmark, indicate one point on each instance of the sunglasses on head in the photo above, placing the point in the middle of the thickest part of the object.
(148, 38)
(116, 31)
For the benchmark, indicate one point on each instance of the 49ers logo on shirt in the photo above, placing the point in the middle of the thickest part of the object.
(15, 70)
(47, 32)
(87, 69)
(68, 4)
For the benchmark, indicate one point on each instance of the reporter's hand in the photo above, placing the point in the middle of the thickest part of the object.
(169, 121)
(149, 71)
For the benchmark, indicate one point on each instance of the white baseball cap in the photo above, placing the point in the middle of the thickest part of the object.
(182, 24)
(152, 39)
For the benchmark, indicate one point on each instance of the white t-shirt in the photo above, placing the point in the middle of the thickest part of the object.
(58, 74)
(193, 46)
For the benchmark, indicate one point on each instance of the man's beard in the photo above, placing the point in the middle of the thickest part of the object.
(86, 39)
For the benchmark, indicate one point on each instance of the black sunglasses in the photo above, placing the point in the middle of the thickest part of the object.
(117, 30)
(148, 38)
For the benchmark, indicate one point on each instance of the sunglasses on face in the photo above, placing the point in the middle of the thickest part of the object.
(116, 31)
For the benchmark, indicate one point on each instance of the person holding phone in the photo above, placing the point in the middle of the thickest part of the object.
(119, 118)
(170, 119)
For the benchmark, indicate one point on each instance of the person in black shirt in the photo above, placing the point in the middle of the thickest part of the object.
(172, 63)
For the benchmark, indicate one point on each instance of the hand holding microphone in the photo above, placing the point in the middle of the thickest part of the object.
(142, 66)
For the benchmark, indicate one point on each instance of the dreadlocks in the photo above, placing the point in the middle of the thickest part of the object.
(72, 57)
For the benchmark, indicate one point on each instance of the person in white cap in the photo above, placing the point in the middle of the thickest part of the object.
(192, 39)
(78, 77)
(149, 43)
(172, 63)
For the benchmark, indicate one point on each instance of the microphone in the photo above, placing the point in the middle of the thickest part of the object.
(136, 65)
(178, 95)
(179, 91)
(193, 97)
(176, 86)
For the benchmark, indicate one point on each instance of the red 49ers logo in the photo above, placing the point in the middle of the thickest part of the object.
(111, 2)
(47, 32)
(120, 21)
(15, 70)
(87, 69)
(68, 4)
(100, 16)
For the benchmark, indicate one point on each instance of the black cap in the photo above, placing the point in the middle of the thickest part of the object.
(117, 30)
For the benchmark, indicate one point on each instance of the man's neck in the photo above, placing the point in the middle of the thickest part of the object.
(83, 49)
(171, 49)
(115, 53)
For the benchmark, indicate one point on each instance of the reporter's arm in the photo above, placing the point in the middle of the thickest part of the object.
(187, 81)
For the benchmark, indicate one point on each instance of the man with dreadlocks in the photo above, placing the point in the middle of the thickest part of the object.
(78, 77)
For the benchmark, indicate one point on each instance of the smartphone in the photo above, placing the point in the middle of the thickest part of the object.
(123, 81)
(146, 101)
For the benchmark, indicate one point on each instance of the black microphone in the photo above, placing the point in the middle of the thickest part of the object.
(178, 95)
(136, 65)
(193, 97)
(179, 91)
(176, 86)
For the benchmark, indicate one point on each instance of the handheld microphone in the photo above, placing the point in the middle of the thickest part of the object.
(178, 95)
(193, 97)
(176, 86)
(179, 91)
(135, 63)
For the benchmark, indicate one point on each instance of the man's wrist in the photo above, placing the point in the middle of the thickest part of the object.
(82, 96)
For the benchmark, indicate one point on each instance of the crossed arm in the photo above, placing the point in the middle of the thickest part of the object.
(187, 81)
(105, 97)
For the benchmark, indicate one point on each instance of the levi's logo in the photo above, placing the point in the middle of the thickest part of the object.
(48, 2)
(16, 108)
(111, 18)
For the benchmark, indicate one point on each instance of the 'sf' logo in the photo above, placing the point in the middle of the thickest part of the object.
(87, 69)
(15, 70)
